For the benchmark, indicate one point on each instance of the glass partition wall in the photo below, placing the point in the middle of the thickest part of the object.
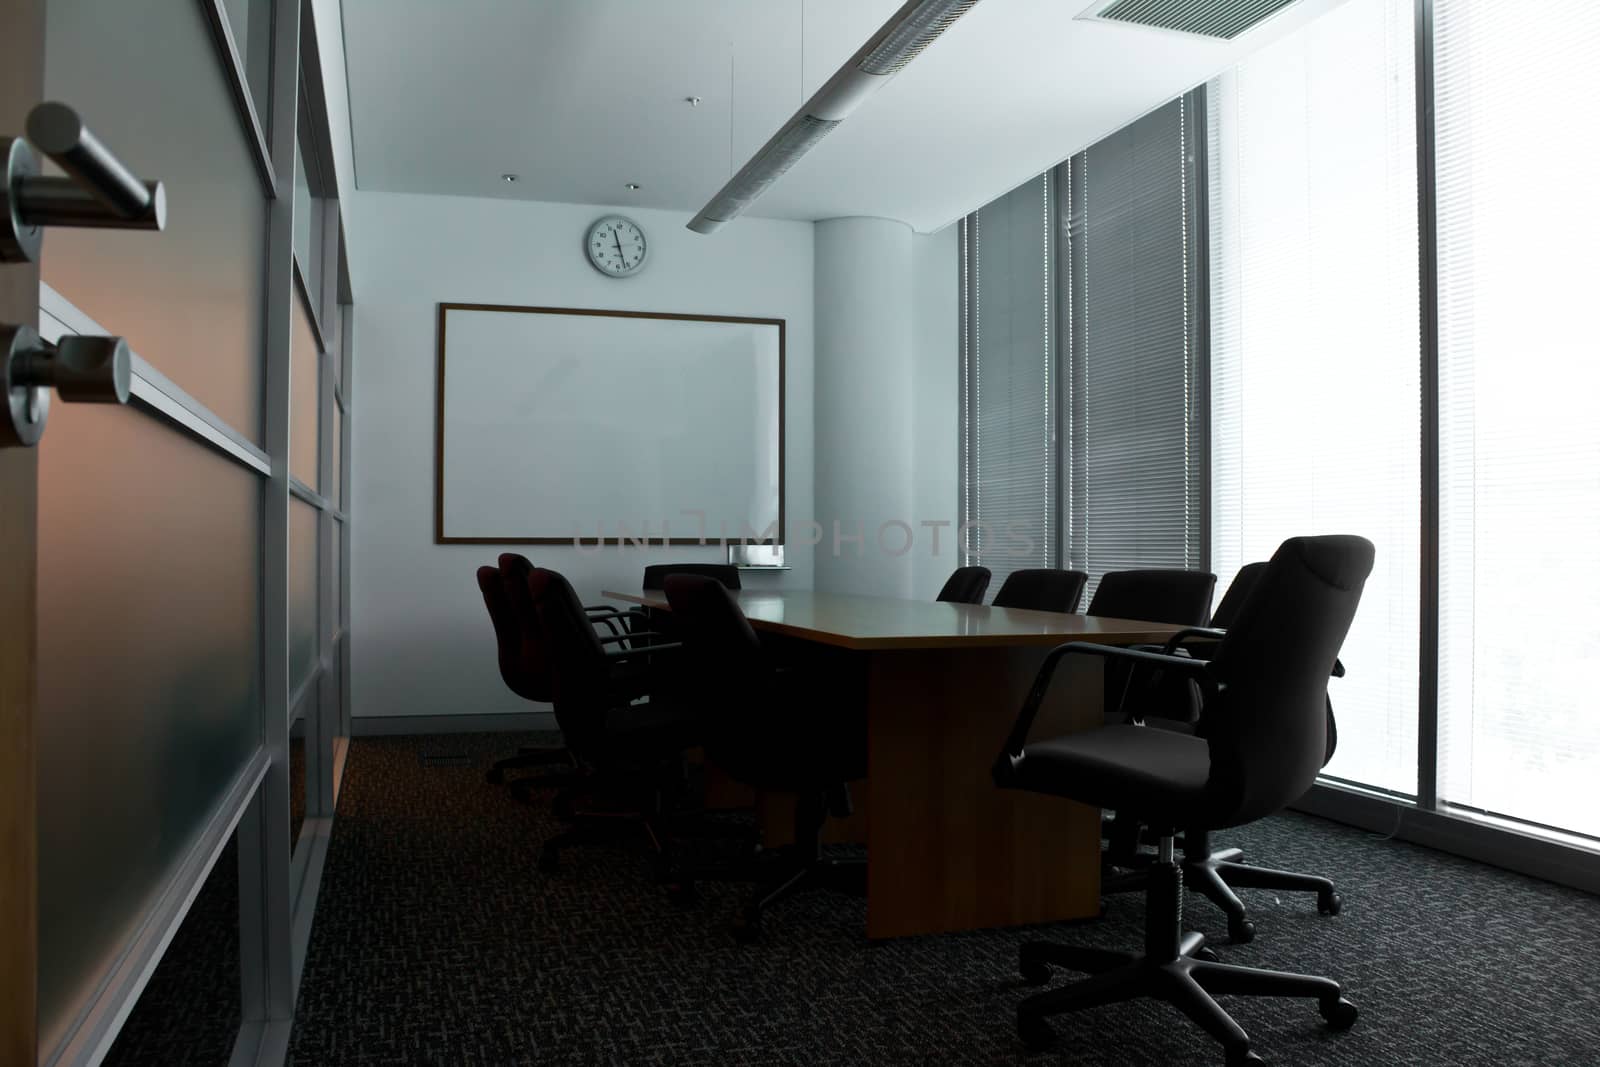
(210, 730)
(1333, 294)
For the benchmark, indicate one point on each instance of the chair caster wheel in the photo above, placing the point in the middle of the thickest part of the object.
(1243, 1057)
(1034, 972)
(1340, 1014)
(549, 862)
(1329, 904)
(1207, 955)
(1035, 1032)
(1242, 932)
(746, 928)
(495, 776)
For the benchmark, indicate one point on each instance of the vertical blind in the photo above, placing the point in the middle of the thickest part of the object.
(1134, 458)
(1007, 383)
(1315, 372)
(1517, 150)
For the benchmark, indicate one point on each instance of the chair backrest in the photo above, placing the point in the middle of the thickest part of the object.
(1182, 598)
(1042, 589)
(1267, 725)
(965, 586)
(725, 573)
(580, 679)
(507, 630)
(1232, 601)
(734, 683)
(533, 648)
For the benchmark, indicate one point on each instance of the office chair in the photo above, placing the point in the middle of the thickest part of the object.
(1262, 746)
(1216, 873)
(522, 677)
(1182, 598)
(1042, 589)
(523, 663)
(965, 586)
(611, 704)
(726, 573)
(774, 730)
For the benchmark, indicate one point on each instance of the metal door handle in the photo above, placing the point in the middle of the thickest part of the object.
(98, 192)
(95, 370)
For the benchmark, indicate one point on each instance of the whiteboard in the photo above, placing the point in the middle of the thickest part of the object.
(564, 425)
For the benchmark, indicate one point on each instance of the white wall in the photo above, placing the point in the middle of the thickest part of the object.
(421, 642)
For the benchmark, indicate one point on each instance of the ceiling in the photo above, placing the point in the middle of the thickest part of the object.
(579, 97)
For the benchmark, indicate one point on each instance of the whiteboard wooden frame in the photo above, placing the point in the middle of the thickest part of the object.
(439, 536)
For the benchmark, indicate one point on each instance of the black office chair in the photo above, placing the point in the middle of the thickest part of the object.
(1216, 873)
(773, 730)
(1182, 598)
(523, 665)
(1042, 589)
(1262, 746)
(612, 701)
(726, 573)
(965, 586)
(519, 672)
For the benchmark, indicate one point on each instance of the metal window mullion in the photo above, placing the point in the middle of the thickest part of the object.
(266, 964)
(1198, 174)
(1428, 290)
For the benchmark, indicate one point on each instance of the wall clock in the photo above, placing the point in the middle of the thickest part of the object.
(616, 246)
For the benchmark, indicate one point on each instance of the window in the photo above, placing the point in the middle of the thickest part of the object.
(1008, 418)
(1517, 150)
(1134, 458)
(1315, 369)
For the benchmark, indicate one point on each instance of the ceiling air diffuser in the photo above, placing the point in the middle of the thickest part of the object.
(1225, 20)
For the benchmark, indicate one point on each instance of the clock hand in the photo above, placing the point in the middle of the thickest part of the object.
(617, 238)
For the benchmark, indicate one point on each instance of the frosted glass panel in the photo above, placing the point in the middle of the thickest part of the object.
(146, 78)
(302, 591)
(303, 398)
(149, 675)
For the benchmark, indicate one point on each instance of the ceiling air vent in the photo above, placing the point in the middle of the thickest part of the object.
(1207, 18)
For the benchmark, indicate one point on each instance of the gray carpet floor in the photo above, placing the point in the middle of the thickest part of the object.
(438, 942)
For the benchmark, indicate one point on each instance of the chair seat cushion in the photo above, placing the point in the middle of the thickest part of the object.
(1156, 775)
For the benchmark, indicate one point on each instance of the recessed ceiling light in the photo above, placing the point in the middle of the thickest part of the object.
(508, 178)
(633, 186)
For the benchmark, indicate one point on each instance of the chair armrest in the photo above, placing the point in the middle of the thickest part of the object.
(636, 634)
(1208, 633)
(1005, 764)
(615, 655)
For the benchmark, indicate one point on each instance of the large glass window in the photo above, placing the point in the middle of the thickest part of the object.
(1133, 465)
(1518, 151)
(1315, 368)
(1008, 383)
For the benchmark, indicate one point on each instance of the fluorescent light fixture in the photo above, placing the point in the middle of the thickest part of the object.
(900, 40)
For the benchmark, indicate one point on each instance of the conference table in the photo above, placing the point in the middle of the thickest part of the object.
(946, 849)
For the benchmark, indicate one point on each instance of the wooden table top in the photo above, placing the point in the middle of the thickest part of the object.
(869, 622)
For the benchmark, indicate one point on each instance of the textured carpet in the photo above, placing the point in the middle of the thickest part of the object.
(189, 1010)
(437, 942)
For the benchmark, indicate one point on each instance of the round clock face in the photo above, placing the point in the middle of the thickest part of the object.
(615, 246)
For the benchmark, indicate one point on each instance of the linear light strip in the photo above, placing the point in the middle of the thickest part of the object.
(900, 40)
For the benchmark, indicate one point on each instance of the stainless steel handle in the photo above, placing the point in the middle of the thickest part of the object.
(99, 190)
(58, 131)
(95, 370)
